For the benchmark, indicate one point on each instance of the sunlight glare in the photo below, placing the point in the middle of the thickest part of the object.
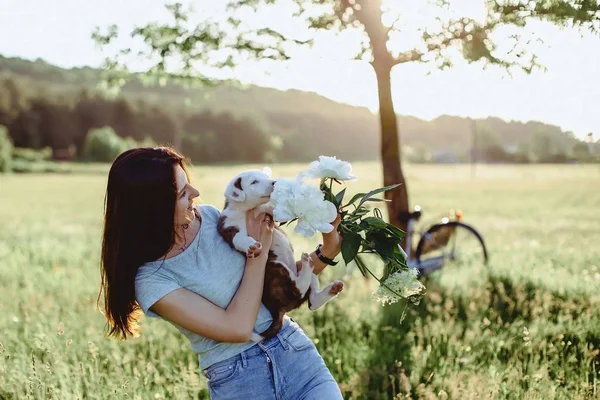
(416, 17)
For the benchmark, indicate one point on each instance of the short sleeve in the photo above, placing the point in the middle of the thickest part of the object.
(211, 210)
(151, 286)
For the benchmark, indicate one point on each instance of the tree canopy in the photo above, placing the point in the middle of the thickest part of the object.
(493, 31)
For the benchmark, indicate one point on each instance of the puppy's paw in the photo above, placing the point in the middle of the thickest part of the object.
(306, 261)
(254, 250)
(336, 288)
(305, 258)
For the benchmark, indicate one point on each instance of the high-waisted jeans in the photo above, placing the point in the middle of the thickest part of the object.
(287, 366)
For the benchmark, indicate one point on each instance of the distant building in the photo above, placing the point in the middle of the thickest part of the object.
(444, 157)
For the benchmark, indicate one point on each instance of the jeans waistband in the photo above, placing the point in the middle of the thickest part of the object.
(289, 327)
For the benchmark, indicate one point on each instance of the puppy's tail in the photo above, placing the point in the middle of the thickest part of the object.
(275, 326)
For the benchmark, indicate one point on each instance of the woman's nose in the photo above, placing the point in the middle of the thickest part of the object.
(194, 193)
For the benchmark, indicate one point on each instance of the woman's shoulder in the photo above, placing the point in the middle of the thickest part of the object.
(209, 209)
(210, 216)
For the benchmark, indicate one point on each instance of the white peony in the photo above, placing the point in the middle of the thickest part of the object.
(329, 167)
(405, 283)
(282, 192)
(291, 198)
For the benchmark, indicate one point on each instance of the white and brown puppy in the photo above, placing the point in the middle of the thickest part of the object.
(287, 284)
(245, 191)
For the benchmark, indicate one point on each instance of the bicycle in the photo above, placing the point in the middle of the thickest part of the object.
(448, 241)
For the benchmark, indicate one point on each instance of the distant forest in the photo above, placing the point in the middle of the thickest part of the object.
(44, 106)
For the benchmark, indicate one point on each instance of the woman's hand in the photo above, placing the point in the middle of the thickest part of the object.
(332, 241)
(332, 246)
(261, 229)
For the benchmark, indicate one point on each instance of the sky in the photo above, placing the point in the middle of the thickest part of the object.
(567, 94)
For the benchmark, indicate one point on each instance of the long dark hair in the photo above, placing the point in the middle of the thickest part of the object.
(139, 226)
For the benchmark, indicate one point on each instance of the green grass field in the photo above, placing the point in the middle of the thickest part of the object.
(525, 327)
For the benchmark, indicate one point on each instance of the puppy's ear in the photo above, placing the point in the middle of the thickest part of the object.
(267, 171)
(234, 190)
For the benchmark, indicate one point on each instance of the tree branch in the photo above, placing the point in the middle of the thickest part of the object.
(581, 13)
(409, 56)
(391, 27)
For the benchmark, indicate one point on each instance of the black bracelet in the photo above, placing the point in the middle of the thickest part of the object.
(324, 259)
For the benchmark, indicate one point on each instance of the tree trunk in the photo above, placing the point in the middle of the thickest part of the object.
(390, 149)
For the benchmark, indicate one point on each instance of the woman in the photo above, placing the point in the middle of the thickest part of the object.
(163, 256)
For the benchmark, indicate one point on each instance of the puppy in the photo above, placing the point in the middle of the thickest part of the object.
(246, 191)
(287, 284)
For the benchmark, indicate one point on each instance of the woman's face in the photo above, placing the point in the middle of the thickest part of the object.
(186, 193)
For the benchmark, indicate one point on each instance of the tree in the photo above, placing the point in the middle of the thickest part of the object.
(104, 145)
(6, 149)
(91, 111)
(10, 101)
(542, 146)
(124, 120)
(233, 37)
(581, 152)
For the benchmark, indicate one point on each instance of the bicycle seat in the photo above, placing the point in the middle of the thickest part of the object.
(407, 216)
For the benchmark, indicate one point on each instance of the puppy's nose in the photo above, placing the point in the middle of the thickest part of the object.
(273, 183)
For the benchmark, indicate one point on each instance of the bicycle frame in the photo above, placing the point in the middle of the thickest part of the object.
(425, 266)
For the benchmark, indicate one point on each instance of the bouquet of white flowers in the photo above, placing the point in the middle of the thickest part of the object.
(363, 230)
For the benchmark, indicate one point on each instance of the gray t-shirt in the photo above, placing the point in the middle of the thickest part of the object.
(209, 267)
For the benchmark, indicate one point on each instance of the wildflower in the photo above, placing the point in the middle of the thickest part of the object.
(399, 284)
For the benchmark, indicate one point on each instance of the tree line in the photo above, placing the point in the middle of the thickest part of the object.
(61, 120)
(43, 106)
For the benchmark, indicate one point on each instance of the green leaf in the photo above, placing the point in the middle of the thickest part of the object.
(397, 232)
(400, 256)
(331, 198)
(339, 197)
(350, 246)
(355, 197)
(357, 215)
(381, 244)
(376, 191)
(375, 222)
(385, 249)
(376, 199)
(377, 213)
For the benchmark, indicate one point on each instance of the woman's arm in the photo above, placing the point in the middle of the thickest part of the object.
(235, 323)
(332, 246)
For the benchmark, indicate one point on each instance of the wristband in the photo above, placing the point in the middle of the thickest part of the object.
(324, 259)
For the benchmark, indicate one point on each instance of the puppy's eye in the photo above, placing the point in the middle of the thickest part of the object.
(254, 182)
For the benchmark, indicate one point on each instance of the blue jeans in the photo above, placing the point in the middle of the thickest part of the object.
(287, 366)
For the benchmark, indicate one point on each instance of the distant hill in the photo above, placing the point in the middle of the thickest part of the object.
(346, 130)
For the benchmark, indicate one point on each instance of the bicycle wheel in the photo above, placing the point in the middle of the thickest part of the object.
(452, 243)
